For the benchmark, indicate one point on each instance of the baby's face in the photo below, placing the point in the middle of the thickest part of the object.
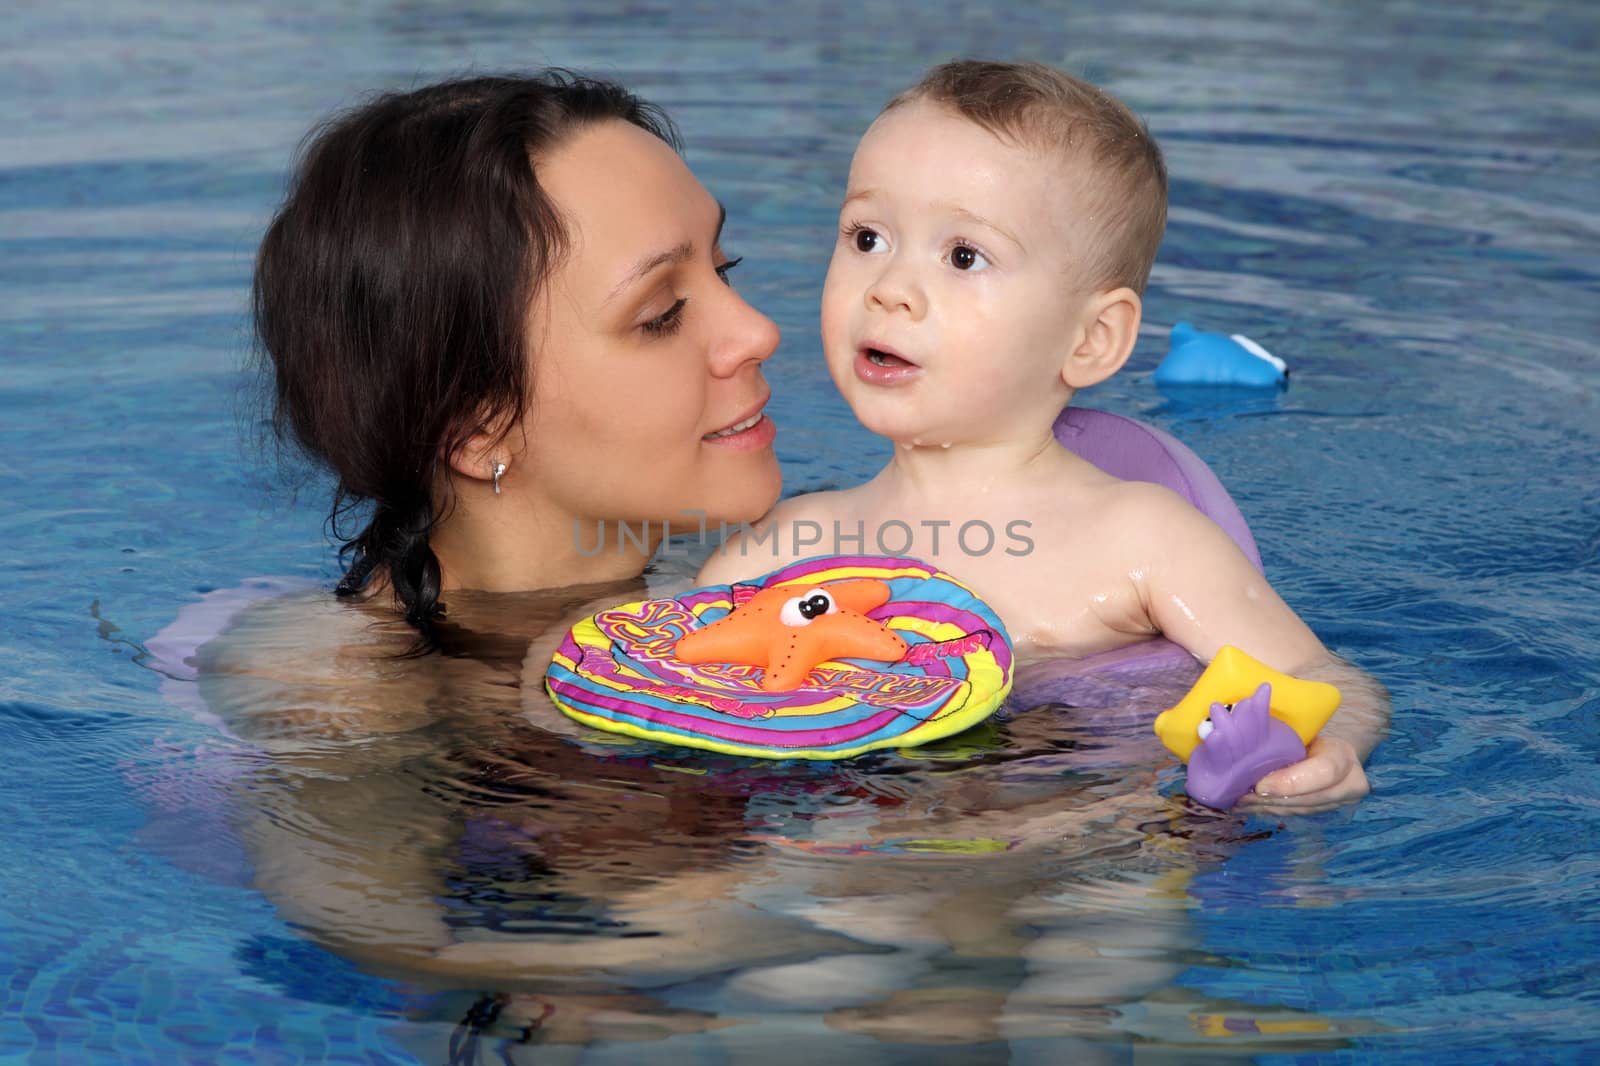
(950, 304)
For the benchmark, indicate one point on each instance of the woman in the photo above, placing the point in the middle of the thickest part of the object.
(498, 312)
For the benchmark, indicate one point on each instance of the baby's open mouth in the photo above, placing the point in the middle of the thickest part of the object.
(880, 357)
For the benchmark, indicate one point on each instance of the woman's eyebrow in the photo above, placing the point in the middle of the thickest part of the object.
(676, 254)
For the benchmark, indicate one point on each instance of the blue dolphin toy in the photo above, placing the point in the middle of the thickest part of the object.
(1199, 358)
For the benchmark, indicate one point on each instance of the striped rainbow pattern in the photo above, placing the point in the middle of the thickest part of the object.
(615, 671)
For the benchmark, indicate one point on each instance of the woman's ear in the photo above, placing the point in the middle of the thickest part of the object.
(488, 453)
(1111, 325)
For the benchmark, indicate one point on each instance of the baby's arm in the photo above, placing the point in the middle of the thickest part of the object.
(1331, 774)
(1202, 592)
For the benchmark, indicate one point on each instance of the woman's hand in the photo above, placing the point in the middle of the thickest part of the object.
(1329, 776)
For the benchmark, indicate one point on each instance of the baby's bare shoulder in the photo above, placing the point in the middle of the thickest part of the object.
(1137, 499)
(1113, 502)
(751, 549)
(822, 506)
(791, 530)
(1158, 523)
(1141, 515)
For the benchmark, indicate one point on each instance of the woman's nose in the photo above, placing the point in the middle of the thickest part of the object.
(894, 289)
(749, 337)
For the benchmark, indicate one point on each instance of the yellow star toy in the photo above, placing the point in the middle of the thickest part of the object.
(1304, 706)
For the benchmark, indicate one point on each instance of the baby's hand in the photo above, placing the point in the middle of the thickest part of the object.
(1329, 776)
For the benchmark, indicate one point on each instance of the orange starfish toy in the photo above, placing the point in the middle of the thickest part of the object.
(791, 628)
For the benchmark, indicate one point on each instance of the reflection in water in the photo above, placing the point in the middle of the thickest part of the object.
(1025, 880)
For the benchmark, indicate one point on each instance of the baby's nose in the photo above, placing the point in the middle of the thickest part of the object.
(896, 289)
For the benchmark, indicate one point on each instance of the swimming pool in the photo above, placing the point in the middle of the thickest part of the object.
(1397, 199)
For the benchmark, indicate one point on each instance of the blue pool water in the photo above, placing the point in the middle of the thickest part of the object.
(1398, 198)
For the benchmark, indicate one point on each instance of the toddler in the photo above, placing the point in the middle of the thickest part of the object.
(996, 235)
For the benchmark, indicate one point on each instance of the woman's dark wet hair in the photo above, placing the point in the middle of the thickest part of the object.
(391, 295)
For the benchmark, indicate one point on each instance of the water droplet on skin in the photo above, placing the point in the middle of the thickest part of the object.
(916, 442)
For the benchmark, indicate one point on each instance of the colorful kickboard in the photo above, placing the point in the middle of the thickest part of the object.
(616, 671)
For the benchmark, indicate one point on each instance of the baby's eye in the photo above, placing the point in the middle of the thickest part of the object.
(966, 257)
(867, 240)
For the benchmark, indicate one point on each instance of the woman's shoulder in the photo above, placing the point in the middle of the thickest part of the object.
(306, 635)
(307, 665)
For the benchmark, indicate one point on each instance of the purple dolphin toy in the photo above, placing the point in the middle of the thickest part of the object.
(1243, 745)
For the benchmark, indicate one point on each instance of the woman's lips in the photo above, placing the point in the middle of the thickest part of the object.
(881, 366)
(755, 430)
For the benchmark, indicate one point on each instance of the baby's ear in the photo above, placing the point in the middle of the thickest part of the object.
(1110, 326)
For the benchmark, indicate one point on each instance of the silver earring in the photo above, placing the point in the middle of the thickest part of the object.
(498, 468)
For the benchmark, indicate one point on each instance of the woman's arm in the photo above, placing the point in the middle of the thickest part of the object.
(374, 764)
(341, 838)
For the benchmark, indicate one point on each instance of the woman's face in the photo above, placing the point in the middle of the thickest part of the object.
(646, 365)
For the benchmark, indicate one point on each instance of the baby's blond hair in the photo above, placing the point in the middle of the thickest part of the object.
(1041, 107)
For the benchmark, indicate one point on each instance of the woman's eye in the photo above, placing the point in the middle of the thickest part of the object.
(722, 271)
(966, 257)
(667, 322)
(866, 240)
